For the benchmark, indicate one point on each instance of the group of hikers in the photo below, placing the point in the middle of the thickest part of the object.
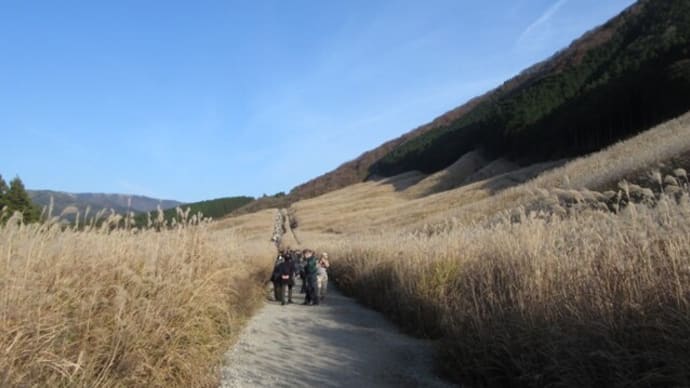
(311, 269)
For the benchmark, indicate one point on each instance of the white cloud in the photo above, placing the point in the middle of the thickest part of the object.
(541, 22)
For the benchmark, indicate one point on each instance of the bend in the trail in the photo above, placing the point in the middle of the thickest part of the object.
(338, 343)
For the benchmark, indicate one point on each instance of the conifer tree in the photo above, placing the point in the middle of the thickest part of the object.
(17, 199)
(3, 200)
(3, 192)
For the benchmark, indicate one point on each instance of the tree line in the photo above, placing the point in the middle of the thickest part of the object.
(213, 208)
(14, 198)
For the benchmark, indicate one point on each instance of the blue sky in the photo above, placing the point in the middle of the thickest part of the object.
(204, 99)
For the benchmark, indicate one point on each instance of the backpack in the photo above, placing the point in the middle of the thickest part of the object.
(311, 266)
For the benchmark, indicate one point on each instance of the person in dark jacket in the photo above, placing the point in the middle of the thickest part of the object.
(310, 271)
(286, 271)
(275, 276)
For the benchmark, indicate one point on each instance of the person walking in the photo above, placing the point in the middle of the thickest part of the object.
(286, 271)
(322, 276)
(275, 276)
(310, 270)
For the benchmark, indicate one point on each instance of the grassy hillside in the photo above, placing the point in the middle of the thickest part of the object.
(620, 78)
(394, 204)
(568, 273)
(267, 202)
(629, 74)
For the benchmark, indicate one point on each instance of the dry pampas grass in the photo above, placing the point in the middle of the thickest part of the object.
(109, 305)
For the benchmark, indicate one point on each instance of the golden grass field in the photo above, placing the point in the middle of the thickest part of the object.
(571, 273)
(567, 273)
(104, 307)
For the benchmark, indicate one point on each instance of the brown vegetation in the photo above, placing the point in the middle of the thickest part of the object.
(99, 306)
(574, 274)
(590, 299)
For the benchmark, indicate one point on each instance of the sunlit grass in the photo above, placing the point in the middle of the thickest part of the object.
(587, 298)
(117, 306)
(578, 277)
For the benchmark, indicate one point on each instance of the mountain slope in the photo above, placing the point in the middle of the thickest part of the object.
(370, 207)
(97, 201)
(492, 242)
(357, 170)
(627, 75)
(623, 77)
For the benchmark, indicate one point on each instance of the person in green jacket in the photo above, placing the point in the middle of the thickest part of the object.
(310, 271)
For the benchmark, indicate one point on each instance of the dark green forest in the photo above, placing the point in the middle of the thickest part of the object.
(636, 75)
(215, 208)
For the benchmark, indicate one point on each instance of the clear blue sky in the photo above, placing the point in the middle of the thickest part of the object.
(202, 99)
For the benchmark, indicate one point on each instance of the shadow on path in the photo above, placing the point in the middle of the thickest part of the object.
(338, 343)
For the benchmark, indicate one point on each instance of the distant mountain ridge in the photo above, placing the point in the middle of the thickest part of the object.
(97, 201)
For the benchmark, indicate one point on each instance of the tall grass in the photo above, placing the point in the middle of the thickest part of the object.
(105, 306)
(569, 295)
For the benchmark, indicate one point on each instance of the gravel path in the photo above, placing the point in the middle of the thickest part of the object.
(338, 343)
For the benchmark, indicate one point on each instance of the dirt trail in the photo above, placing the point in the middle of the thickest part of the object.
(338, 343)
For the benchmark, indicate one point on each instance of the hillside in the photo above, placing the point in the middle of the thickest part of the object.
(97, 201)
(623, 77)
(474, 189)
(527, 250)
(358, 169)
(629, 74)
(267, 202)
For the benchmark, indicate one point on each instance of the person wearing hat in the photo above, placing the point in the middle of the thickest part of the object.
(286, 271)
(275, 276)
